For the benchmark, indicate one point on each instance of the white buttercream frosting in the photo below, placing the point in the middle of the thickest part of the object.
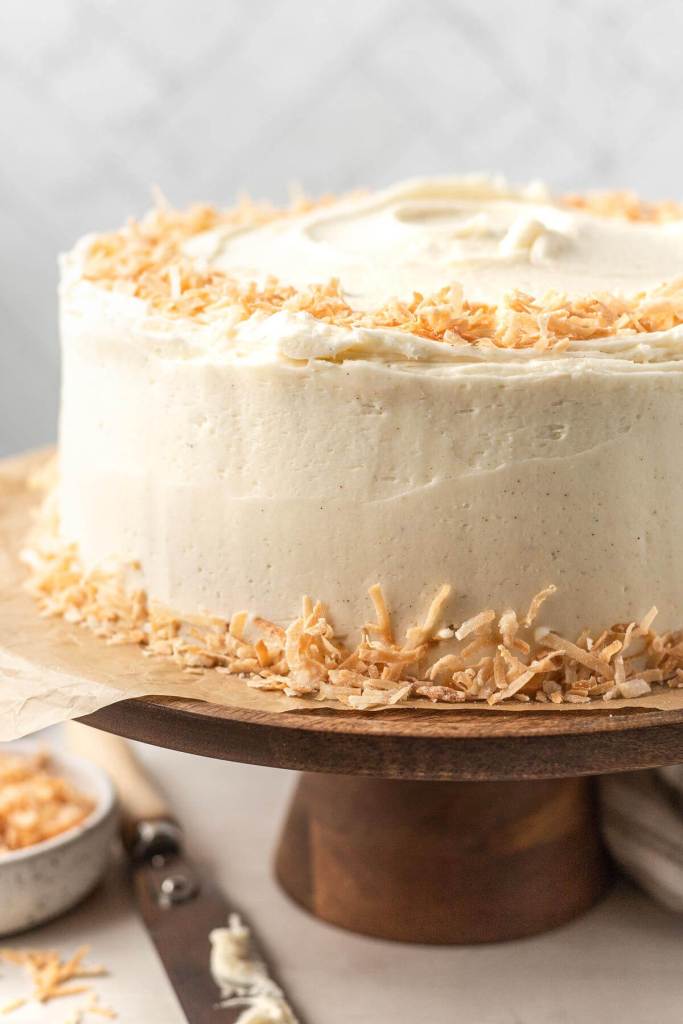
(247, 463)
(423, 235)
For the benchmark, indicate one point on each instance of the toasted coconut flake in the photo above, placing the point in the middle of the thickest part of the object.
(537, 603)
(237, 624)
(646, 622)
(611, 649)
(382, 655)
(500, 672)
(440, 693)
(634, 688)
(652, 675)
(474, 624)
(383, 624)
(449, 663)
(418, 635)
(514, 687)
(619, 670)
(370, 698)
(508, 626)
(591, 661)
(329, 691)
(478, 644)
(399, 694)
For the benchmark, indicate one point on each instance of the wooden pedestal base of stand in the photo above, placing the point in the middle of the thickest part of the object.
(442, 862)
(441, 827)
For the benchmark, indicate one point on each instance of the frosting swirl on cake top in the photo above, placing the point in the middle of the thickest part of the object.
(469, 262)
(428, 234)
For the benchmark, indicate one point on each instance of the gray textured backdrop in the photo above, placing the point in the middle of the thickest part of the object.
(100, 99)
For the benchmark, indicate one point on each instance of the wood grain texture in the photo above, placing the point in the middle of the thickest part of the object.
(445, 862)
(405, 744)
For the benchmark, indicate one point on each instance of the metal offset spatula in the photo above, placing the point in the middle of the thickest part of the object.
(178, 907)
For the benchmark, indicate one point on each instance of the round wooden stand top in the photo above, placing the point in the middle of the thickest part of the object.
(407, 744)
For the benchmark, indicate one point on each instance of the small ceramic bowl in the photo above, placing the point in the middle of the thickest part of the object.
(39, 882)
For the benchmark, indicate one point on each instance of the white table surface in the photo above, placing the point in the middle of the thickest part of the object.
(619, 964)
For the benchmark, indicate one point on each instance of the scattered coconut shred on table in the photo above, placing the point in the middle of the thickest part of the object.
(54, 978)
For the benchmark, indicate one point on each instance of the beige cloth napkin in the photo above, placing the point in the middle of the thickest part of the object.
(642, 821)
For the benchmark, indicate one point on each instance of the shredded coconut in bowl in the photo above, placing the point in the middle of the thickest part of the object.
(35, 803)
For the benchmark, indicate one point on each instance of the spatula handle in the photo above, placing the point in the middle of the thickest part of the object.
(146, 818)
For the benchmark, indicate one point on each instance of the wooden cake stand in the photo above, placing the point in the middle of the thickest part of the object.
(419, 826)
